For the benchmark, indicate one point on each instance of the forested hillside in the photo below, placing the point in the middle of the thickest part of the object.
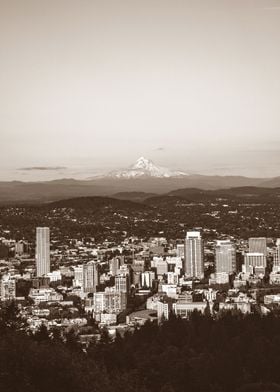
(233, 353)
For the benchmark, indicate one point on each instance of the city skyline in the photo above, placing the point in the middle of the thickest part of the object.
(140, 195)
(110, 82)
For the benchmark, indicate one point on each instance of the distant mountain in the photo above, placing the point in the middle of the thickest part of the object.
(142, 178)
(144, 167)
(244, 192)
(271, 182)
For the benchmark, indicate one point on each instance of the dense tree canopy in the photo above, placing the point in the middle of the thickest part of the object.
(232, 353)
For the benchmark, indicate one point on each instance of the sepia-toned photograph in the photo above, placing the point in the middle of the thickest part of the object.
(139, 195)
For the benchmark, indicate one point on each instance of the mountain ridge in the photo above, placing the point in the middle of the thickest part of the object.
(142, 176)
(144, 168)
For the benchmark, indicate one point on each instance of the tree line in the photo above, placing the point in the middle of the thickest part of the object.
(232, 352)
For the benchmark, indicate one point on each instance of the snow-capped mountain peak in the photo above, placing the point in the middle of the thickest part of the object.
(144, 167)
(143, 163)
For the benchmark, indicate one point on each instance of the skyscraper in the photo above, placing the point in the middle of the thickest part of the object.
(276, 259)
(42, 251)
(225, 254)
(193, 260)
(258, 245)
(254, 260)
(114, 266)
(90, 277)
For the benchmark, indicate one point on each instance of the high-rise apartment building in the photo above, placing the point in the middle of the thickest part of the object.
(225, 256)
(193, 260)
(42, 251)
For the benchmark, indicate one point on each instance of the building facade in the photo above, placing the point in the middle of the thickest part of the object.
(42, 251)
(90, 277)
(194, 259)
(225, 257)
(258, 245)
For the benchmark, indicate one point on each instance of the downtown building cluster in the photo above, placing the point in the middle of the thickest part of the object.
(119, 286)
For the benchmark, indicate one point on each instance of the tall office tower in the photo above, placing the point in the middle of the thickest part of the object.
(42, 251)
(90, 277)
(225, 253)
(193, 261)
(114, 265)
(122, 285)
(258, 245)
(276, 259)
(254, 260)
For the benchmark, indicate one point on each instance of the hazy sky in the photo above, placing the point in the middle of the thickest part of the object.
(87, 85)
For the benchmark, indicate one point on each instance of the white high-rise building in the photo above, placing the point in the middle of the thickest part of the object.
(258, 245)
(42, 251)
(254, 260)
(276, 259)
(147, 279)
(193, 261)
(225, 255)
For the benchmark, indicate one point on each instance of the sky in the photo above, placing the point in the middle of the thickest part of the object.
(88, 86)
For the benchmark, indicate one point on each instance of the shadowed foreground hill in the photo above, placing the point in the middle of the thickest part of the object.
(98, 203)
(250, 193)
(242, 212)
(47, 191)
(233, 353)
(134, 196)
(240, 194)
(98, 217)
